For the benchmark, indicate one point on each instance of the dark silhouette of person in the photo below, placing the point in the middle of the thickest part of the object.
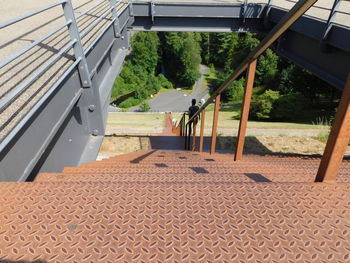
(193, 109)
(191, 112)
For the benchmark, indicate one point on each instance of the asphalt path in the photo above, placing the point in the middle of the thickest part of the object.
(176, 100)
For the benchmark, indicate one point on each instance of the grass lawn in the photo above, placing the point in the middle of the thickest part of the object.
(189, 91)
(135, 120)
(262, 137)
(228, 119)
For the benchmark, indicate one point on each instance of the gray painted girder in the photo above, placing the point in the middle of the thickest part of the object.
(304, 45)
(60, 132)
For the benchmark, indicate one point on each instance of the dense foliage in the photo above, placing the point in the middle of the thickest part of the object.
(181, 57)
(139, 77)
(155, 58)
(171, 59)
(282, 89)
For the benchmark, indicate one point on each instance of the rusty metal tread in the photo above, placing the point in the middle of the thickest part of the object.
(133, 170)
(115, 222)
(182, 177)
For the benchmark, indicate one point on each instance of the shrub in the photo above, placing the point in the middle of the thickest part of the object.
(129, 103)
(236, 90)
(164, 82)
(262, 105)
(144, 107)
(288, 107)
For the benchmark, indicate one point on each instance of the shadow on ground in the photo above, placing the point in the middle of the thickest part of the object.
(224, 144)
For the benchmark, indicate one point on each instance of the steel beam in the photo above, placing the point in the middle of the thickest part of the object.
(205, 10)
(201, 138)
(245, 110)
(215, 124)
(337, 141)
(198, 24)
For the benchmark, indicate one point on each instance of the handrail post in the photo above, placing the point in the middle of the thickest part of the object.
(201, 137)
(338, 140)
(194, 135)
(90, 101)
(248, 91)
(78, 47)
(116, 25)
(183, 124)
(189, 125)
(185, 136)
(215, 124)
(329, 20)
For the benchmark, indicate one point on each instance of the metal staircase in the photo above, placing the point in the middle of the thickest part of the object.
(177, 206)
(56, 76)
(159, 205)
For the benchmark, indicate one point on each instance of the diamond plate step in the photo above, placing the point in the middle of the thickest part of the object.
(133, 222)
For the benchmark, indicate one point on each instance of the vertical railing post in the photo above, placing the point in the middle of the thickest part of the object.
(215, 124)
(338, 140)
(201, 136)
(189, 133)
(329, 20)
(184, 123)
(90, 101)
(116, 25)
(248, 91)
(78, 47)
(194, 135)
(185, 137)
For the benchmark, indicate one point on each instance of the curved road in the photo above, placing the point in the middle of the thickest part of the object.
(177, 101)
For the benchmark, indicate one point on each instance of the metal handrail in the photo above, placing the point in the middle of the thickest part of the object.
(14, 93)
(297, 11)
(33, 13)
(319, 7)
(35, 43)
(91, 26)
(89, 9)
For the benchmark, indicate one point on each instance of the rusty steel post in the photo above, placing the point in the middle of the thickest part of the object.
(194, 135)
(215, 124)
(201, 137)
(338, 140)
(185, 136)
(245, 110)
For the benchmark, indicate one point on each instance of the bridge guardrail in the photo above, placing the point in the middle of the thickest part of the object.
(71, 49)
(330, 10)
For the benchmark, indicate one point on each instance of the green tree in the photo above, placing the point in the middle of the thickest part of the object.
(181, 57)
(288, 106)
(267, 68)
(145, 47)
(262, 105)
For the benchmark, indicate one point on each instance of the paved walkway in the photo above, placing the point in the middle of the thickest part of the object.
(178, 101)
